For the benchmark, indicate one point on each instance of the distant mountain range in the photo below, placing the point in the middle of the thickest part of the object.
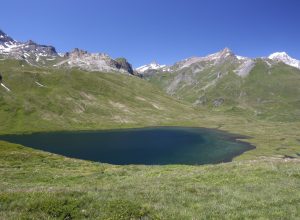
(277, 56)
(265, 87)
(42, 55)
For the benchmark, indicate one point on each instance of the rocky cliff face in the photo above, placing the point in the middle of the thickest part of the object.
(94, 62)
(43, 50)
(122, 63)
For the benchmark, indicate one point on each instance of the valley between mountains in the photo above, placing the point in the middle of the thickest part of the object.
(43, 90)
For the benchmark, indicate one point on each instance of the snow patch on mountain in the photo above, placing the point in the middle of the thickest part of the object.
(242, 58)
(7, 47)
(6, 88)
(151, 66)
(285, 58)
(39, 84)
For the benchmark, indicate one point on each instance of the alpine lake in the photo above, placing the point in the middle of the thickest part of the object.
(148, 146)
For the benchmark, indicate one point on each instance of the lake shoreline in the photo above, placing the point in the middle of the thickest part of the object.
(220, 135)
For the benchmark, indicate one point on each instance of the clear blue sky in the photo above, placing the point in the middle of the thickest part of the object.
(162, 30)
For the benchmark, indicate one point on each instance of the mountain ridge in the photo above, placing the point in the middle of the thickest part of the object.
(265, 87)
(38, 54)
(261, 87)
(276, 56)
(46, 56)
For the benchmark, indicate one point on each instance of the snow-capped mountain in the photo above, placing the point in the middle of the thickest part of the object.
(196, 75)
(211, 59)
(242, 65)
(285, 58)
(43, 55)
(29, 50)
(151, 66)
(225, 79)
(196, 64)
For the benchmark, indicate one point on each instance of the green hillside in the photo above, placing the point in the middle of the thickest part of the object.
(61, 99)
(270, 93)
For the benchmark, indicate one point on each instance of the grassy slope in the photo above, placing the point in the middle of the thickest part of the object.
(192, 83)
(80, 100)
(268, 93)
(39, 185)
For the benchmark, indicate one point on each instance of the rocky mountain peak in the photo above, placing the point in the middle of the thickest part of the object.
(28, 50)
(37, 49)
(122, 63)
(76, 52)
(5, 38)
(226, 52)
(217, 57)
(30, 42)
(2, 33)
(95, 62)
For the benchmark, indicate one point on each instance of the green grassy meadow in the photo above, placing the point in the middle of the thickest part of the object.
(263, 183)
(38, 185)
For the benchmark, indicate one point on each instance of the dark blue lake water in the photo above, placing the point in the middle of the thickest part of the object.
(163, 145)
